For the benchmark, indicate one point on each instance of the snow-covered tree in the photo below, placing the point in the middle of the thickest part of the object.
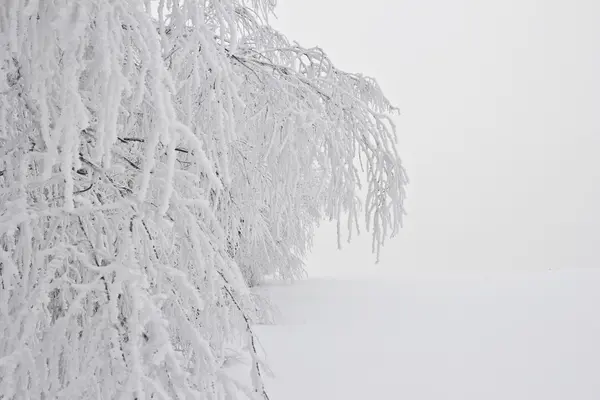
(157, 158)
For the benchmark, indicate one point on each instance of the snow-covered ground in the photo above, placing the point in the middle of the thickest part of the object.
(517, 336)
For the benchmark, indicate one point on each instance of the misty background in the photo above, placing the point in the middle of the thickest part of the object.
(499, 128)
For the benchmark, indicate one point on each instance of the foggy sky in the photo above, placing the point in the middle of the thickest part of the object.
(499, 128)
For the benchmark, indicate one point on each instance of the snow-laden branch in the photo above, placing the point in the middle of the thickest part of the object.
(156, 159)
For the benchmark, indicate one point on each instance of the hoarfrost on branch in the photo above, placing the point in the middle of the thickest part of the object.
(158, 158)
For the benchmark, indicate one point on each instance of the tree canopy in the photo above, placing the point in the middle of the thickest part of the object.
(157, 159)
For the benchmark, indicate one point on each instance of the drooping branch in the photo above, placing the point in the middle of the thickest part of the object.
(156, 159)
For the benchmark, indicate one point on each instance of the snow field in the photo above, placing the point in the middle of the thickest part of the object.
(518, 336)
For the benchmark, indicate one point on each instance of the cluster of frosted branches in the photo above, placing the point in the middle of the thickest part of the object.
(156, 159)
(311, 148)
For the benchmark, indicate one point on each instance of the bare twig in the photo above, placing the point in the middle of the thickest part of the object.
(84, 190)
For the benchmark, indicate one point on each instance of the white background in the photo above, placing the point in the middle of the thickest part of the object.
(499, 127)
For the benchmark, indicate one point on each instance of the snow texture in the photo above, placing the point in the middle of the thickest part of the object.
(518, 336)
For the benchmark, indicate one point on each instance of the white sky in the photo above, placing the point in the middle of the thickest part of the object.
(500, 125)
